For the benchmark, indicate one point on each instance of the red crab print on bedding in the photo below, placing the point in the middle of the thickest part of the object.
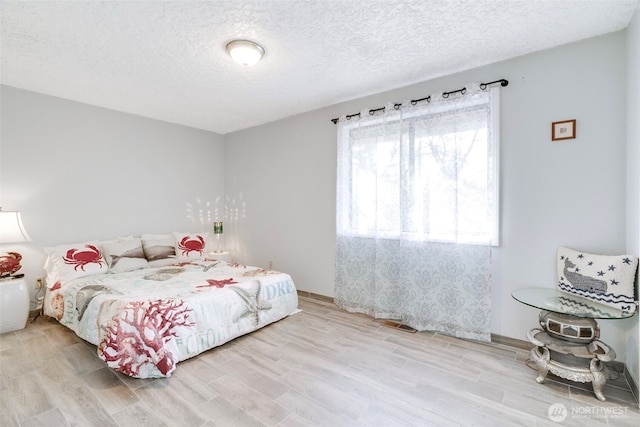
(189, 244)
(81, 257)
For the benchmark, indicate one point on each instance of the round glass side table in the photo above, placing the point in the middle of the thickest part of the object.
(567, 342)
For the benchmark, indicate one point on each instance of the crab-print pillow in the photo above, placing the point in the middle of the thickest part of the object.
(191, 246)
(68, 262)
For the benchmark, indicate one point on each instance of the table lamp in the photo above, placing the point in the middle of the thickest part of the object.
(11, 231)
(217, 230)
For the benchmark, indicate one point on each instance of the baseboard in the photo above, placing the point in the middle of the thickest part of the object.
(632, 385)
(511, 342)
(312, 295)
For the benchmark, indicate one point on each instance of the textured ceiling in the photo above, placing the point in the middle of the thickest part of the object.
(167, 60)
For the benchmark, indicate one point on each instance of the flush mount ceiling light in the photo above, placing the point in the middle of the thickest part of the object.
(245, 52)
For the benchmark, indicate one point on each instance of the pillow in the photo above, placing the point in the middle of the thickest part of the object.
(68, 262)
(124, 254)
(605, 279)
(191, 246)
(159, 249)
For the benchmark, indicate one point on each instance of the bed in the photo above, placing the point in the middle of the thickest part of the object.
(144, 315)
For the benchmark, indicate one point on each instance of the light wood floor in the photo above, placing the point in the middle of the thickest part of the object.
(321, 367)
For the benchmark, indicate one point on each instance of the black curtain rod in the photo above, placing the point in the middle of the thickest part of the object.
(483, 86)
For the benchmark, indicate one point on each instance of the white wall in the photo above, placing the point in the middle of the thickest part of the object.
(281, 176)
(79, 172)
(633, 175)
(280, 180)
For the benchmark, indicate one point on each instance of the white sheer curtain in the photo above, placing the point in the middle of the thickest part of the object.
(417, 212)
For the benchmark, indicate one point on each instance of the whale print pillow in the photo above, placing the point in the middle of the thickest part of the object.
(159, 249)
(607, 279)
(124, 254)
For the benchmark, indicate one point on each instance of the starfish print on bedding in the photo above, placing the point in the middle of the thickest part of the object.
(252, 300)
(182, 264)
(217, 283)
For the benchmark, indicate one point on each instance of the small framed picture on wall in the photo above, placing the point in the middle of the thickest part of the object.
(563, 130)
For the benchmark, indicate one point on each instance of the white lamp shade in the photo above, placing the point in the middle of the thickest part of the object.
(245, 52)
(11, 228)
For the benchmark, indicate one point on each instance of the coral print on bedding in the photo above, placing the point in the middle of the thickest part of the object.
(146, 321)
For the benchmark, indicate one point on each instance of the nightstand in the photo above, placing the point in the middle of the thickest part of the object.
(14, 305)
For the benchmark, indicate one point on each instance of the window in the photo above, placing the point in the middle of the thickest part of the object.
(425, 173)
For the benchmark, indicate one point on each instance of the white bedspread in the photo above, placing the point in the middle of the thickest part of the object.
(145, 321)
